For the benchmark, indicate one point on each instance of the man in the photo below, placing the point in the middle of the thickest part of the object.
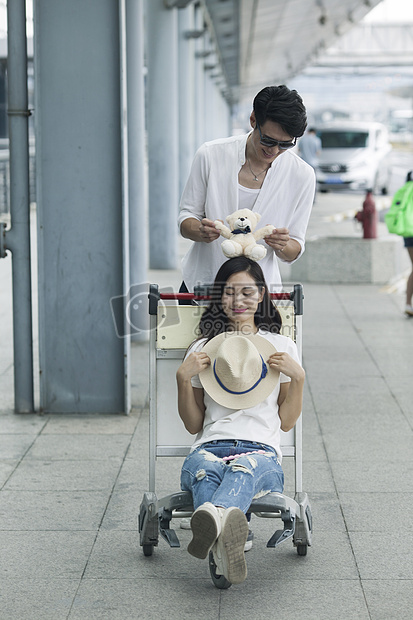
(258, 171)
(309, 147)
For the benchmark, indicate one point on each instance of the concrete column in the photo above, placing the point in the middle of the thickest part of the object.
(199, 82)
(137, 169)
(18, 238)
(211, 120)
(163, 144)
(186, 52)
(80, 207)
(225, 114)
(3, 101)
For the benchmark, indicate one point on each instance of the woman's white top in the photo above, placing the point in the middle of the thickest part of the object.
(260, 423)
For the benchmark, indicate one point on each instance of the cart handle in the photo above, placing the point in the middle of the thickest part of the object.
(296, 295)
(192, 296)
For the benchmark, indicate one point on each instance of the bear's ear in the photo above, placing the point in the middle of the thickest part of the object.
(228, 219)
(258, 216)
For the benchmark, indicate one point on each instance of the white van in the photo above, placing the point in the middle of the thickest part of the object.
(354, 156)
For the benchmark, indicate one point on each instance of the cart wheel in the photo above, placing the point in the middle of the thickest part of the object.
(219, 580)
(302, 549)
(147, 549)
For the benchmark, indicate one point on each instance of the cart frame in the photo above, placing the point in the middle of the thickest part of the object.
(169, 339)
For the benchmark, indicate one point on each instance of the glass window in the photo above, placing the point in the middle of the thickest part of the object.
(343, 139)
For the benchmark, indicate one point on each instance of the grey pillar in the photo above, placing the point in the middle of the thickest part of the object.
(18, 239)
(3, 101)
(80, 215)
(211, 119)
(137, 170)
(162, 105)
(199, 81)
(186, 94)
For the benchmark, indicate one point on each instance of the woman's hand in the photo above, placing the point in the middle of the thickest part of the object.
(283, 362)
(290, 399)
(192, 366)
(191, 406)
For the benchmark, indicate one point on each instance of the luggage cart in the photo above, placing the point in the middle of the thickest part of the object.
(172, 329)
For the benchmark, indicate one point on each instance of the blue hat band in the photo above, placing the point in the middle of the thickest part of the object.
(264, 371)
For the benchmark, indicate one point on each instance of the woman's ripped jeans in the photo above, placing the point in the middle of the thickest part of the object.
(234, 482)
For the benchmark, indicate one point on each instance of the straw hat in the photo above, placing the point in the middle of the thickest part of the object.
(238, 376)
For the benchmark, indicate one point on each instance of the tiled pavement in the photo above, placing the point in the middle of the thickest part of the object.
(70, 487)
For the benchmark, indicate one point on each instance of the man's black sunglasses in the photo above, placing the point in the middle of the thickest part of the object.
(272, 143)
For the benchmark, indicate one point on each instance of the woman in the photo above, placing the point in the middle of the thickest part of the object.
(250, 386)
(408, 244)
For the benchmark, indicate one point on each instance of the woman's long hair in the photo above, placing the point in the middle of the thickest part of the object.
(214, 321)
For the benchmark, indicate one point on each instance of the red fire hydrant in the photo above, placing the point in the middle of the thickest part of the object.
(368, 217)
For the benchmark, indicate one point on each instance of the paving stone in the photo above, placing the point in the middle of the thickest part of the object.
(384, 555)
(15, 446)
(127, 599)
(33, 475)
(84, 447)
(374, 477)
(289, 599)
(363, 512)
(7, 466)
(45, 555)
(93, 424)
(35, 599)
(47, 510)
(24, 423)
(378, 433)
(388, 599)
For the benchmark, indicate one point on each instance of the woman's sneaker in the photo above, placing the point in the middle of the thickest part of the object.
(408, 310)
(206, 527)
(248, 543)
(229, 548)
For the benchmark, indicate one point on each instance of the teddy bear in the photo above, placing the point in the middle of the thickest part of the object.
(240, 237)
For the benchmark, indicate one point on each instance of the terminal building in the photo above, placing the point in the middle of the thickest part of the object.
(103, 110)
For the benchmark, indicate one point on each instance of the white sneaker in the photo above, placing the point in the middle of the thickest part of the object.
(408, 310)
(206, 527)
(185, 523)
(248, 544)
(229, 548)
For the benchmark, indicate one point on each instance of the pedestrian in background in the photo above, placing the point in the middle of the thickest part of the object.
(399, 220)
(408, 244)
(309, 147)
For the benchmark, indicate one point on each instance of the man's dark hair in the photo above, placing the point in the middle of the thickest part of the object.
(281, 105)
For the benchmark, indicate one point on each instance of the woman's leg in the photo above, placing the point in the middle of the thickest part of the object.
(247, 476)
(409, 288)
(201, 474)
(230, 483)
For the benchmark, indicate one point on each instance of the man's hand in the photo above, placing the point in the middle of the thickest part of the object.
(278, 239)
(203, 231)
(208, 231)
